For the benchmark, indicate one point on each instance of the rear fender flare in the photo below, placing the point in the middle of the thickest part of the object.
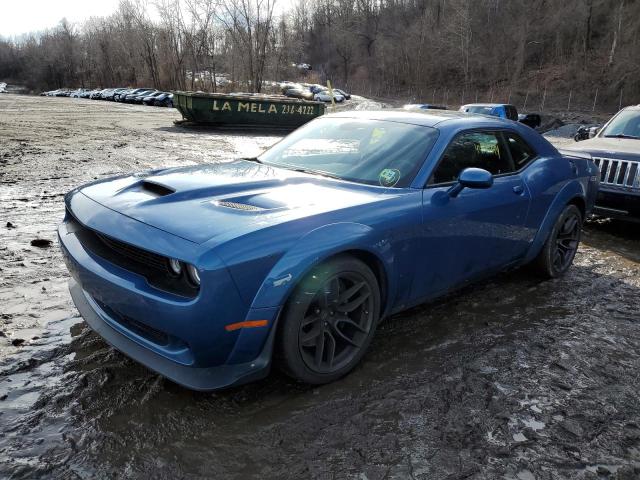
(570, 191)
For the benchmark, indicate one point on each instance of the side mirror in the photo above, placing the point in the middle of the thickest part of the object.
(593, 131)
(471, 178)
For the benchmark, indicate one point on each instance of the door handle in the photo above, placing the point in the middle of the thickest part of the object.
(518, 189)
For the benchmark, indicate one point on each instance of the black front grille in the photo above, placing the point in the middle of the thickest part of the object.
(135, 254)
(150, 265)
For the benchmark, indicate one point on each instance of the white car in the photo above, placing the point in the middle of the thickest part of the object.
(77, 93)
(325, 97)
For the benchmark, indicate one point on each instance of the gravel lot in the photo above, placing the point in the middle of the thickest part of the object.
(513, 378)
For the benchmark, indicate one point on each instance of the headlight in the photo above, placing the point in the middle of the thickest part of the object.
(175, 266)
(194, 276)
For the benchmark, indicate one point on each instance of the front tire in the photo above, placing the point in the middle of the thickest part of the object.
(558, 252)
(329, 321)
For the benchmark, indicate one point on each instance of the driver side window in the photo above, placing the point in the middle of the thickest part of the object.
(472, 149)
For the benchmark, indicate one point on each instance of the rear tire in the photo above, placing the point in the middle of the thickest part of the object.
(329, 321)
(558, 252)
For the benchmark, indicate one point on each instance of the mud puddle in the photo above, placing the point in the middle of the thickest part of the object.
(513, 378)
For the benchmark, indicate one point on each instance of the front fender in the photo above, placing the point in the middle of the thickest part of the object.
(312, 249)
(573, 189)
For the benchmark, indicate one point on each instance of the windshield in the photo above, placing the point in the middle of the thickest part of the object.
(625, 124)
(373, 152)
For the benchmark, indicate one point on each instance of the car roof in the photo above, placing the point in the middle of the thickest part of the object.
(487, 105)
(435, 106)
(427, 118)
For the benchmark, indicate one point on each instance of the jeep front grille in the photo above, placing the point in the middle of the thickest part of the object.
(620, 173)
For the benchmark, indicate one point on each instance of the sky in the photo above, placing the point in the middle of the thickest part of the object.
(24, 16)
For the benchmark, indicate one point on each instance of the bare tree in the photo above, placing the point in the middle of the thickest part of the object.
(616, 33)
(413, 48)
(249, 24)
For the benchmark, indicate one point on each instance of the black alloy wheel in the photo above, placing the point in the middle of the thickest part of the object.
(329, 321)
(336, 323)
(567, 240)
(560, 249)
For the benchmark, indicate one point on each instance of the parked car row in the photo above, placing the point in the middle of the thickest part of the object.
(315, 92)
(145, 96)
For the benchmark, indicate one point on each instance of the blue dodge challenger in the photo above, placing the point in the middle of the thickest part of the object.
(209, 274)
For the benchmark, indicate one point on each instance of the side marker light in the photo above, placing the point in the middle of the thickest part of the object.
(247, 324)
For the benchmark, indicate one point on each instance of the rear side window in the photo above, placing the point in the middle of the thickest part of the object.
(521, 152)
(472, 149)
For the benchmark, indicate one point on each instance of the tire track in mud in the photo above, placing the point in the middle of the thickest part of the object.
(513, 378)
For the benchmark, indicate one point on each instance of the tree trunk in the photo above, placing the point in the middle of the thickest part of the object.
(616, 35)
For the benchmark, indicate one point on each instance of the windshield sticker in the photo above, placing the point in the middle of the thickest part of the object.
(389, 177)
(376, 135)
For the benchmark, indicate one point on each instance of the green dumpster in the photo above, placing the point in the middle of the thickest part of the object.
(240, 109)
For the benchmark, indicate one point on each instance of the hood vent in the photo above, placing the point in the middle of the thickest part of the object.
(156, 189)
(239, 206)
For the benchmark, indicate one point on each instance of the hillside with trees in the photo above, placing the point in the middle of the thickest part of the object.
(569, 53)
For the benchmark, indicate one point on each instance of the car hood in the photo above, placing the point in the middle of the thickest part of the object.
(622, 148)
(204, 202)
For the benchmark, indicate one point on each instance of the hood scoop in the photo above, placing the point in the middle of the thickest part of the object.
(239, 206)
(155, 189)
(225, 200)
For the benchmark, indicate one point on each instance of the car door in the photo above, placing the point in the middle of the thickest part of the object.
(478, 231)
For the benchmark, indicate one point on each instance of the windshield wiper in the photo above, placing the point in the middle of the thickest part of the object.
(315, 172)
(622, 135)
(252, 159)
(294, 168)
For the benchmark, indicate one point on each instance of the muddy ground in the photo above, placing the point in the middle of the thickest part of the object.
(514, 378)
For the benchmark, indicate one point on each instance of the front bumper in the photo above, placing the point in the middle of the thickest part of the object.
(181, 338)
(202, 379)
(621, 204)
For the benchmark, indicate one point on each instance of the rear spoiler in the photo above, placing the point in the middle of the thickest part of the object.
(575, 154)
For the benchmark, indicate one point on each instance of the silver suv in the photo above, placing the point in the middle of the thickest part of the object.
(616, 151)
